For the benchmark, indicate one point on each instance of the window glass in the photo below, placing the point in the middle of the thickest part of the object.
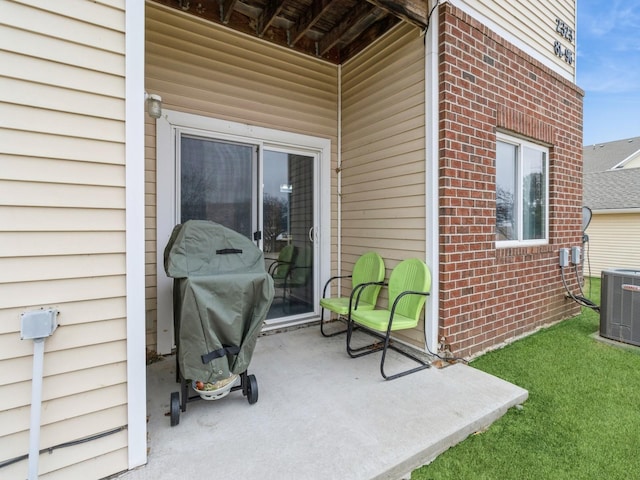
(534, 194)
(521, 191)
(506, 227)
(216, 182)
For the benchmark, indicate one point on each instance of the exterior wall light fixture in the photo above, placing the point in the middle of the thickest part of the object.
(154, 105)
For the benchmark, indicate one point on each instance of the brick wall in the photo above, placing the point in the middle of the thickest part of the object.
(490, 295)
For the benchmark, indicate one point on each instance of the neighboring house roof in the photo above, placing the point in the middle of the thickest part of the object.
(612, 189)
(605, 156)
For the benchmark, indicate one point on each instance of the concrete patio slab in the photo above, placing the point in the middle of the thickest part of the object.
(320, 415)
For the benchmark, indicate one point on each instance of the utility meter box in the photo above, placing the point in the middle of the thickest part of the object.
(620, 305)
(38, 323)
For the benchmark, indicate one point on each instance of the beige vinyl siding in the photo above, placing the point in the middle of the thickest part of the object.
(614, 242)
(383, 152)
(267, 86)
(534, 23)
(633, 162)
(205, 69)
(62, 231)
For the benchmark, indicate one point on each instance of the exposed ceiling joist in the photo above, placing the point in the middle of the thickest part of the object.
(308, 20)
(268, 15)
(415, 12)
(226, 7)
(348, 25)
(334, 30)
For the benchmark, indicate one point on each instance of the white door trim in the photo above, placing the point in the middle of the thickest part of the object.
(166, 188)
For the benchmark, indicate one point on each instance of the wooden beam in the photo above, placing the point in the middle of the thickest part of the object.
(415, 12)
(309, 19)
(268, 15)
(331, 38)
(368, 36)
(226, 9)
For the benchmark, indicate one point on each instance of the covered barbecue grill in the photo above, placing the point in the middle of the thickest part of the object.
(221, 296)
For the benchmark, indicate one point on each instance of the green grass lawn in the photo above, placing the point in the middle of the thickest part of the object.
(582, 418)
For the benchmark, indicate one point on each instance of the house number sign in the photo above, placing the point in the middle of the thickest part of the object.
(568, 33)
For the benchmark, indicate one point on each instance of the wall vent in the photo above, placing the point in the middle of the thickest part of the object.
(620, 305)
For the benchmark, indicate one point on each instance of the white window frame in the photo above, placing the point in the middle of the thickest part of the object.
(519, 143)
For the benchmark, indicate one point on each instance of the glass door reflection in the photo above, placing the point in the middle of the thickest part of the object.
(288, 220)
(217, 183)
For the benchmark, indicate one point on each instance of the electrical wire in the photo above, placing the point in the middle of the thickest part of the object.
(586, 242)
(426, 28)
(11, 461)
(575, 268)
(444, 359)
(581, 300)
(449, 359)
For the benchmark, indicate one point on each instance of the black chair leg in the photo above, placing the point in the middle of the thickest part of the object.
(361, 351)
(325, 334)
(422, 364)
(384, 345)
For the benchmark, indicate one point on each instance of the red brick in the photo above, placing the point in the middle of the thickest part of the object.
(490, 294)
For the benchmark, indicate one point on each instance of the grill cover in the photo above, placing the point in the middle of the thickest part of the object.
(221, 296)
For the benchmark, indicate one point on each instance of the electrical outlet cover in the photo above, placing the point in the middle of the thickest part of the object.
(38, 324)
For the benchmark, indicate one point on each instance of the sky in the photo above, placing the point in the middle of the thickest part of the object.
(608, 68)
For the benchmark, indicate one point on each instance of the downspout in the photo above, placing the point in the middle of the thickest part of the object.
(339, 179)
(134, 233)
(432, 171)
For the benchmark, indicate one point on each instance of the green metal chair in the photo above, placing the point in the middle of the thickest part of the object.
(408, 287)
(280, 268)
(297, 274)
(301, 269)
(368, 269)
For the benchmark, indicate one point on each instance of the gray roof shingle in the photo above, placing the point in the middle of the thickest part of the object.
(612, 189)
(603, 156)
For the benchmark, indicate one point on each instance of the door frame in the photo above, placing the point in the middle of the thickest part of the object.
(166, 180)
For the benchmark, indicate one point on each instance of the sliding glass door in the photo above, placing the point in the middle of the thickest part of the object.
(265, 193)
(271, 185)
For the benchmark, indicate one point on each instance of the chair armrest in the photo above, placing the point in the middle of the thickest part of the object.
(324, 290)
(398, 298)
(358, 289)
(275, 264)
(290, 273)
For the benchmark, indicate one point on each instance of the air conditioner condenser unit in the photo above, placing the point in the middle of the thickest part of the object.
(620, 305)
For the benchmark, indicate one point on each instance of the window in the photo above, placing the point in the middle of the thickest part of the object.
(522, 199)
